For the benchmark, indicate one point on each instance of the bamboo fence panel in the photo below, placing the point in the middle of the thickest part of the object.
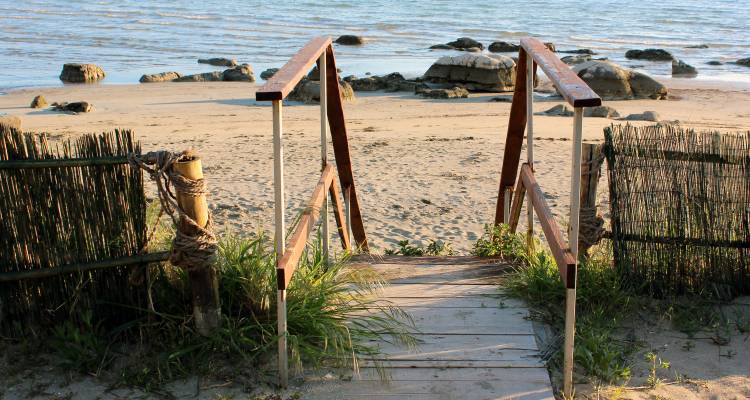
(680, 209)
(56, 216)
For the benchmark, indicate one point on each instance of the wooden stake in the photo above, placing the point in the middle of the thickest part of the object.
(530, 146)
(278, 186)
(590, 172)
(324, 149)
(204, 284)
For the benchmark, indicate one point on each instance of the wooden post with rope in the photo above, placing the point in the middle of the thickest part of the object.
(203, 281)
(591, 224)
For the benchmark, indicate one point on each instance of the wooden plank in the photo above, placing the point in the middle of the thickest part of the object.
(440, 364)
(515, 208)
(566, 263)
(514, 136)
(475, 321)
(456, 302)
(288, 262)
(496, 353)
(338, 213)
(439, 291)
(442, 346)
(480, 273)
(284, 81)
(575, 91)
(337, 124)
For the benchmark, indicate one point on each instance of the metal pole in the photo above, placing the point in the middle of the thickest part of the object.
(530, 144)
(570, 294)
(324, 150)
(278, 186)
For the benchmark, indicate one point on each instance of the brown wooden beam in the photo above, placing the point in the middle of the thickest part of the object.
(287, 77)
(515, 208)
(338, 213)
(287, 264)
(337, 124)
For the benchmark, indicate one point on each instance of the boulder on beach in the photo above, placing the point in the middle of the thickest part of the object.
(308, 91)
(81, 73)
(649, 54)
(600, 112)
(465, 43)
(160, 77)
(681, 68)
(218, 62)
(744, 61)
(74, 107)
(578, 51)
(350, 40)
(267, 74)
(39, 102)
(240, 73)
(314, 74)
(613, 82)
(455, 92)
(503, 47)
(576, 59)
(475, 72)
(393, 82)
(8, 122)
(560, 110)
(204, 77)
(651, 116)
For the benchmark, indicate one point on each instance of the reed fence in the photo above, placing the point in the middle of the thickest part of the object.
(72, 225)
(680, 209)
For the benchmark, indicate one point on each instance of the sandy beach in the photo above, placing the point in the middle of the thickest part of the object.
(425, 169)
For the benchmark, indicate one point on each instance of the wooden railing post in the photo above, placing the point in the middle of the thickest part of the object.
(530, 146)
(324, 149)
(204, 283)
(280, 232)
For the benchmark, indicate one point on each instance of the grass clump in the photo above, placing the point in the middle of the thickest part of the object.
(434, 248)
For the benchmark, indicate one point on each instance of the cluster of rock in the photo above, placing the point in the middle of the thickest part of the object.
(613, 82)
(238, 73)
(562, 110)
(308, 89)
(393, 82)
(471, 45)
(475, 72)
(218, 62)
(74, 107)
(81, 73)
(679, 67)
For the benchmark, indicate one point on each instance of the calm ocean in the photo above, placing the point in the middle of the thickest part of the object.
(132, 37)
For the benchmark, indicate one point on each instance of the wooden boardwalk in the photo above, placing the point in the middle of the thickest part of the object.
(474, 343)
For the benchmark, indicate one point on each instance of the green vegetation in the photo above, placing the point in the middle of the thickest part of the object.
(435, 248)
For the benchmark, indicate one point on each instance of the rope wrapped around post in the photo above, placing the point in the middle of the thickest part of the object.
(182, 192)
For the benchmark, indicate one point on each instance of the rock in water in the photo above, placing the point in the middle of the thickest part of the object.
(350, 40)
(442, 47)
(682, 68)
(613, 82)
(204, 77)
(714, 62)
(644, 116)
(81, 73)
(601, 112)
(218, 62)
(577, 59)
(697, 46)
(39, 102)
(308, 91)
(267, 74)
(8, 122)
(464, 43)
(456, 92)
(744, 61)
(550, 46)
(75, 107)
(240, 73)
(160, 77)
(503, 47)
(560, 110)
(649, 54)
(476, 72)
(579, 51)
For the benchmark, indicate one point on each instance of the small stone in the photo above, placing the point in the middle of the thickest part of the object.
(550, 46)
(204, 77)
(267, 74)
(644, 116)
(682, 68)
(218, 62)
(714, 62)
(442, 47)
(649, 54)
(601, 112)
(81, 73)
(577, 59)
(560, 110)
(744, 61)
(464, 43)
(697, 46)
(74, 107)
(579, 51)
(160, 77)
(453, 93)
(503, 47)
(240, 73)
(39, 102)
(350, 40)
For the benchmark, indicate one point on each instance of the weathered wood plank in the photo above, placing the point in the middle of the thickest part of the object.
(515, 208)
(480, 321)
(287, 77)
(456, 302)
(339, 216)
(439, 291)
(469, 347)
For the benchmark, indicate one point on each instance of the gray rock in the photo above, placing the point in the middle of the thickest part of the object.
(219, 62)
(503, 47)
(613, 82)
(350, 40)
(39, 102)
(682, 68)
(464, 43)
(74, 107)
(550, 46)
(8, 122)
(452, 93)
(697, 46)
(578, 51)
(81, 73)
(160, 77)
(442, 47)
(644, 116)
(601, 112)
(314, 74)
(475, 72)
(204, 77)
(267, 74)
(240, 73)
(366, 84)
(577, 59)
(744, 61)
(308, 91)
(560, 110)
(714, 62)
(649, 54)
(393, 82)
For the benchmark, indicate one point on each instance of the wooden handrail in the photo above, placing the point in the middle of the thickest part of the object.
(566, 263)
(286, 265)
(575, 91)
(285, 79)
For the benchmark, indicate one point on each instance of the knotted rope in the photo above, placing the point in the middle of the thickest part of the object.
(196, 248)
